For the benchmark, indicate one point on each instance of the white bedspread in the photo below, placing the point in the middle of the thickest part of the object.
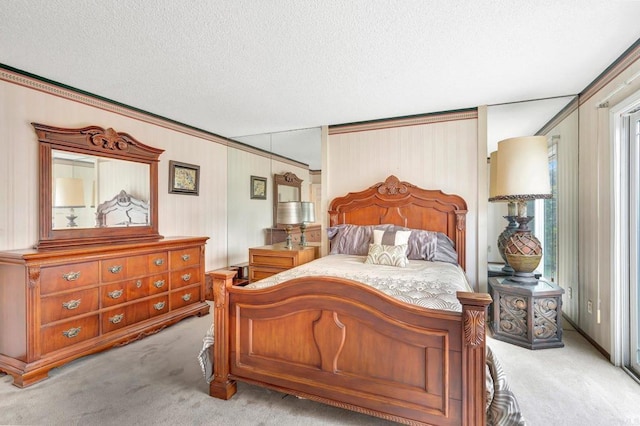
(427, 284)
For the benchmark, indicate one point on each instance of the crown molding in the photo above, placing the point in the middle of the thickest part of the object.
(69, 93)
(415, 120)
(630, 56)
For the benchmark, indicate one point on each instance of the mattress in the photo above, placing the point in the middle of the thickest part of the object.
(427, 284)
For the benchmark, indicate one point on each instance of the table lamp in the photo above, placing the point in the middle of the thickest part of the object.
(523, 175)
(289, 213)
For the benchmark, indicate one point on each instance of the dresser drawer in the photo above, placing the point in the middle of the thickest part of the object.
(275, 259)
(67, 277)
(61, 306)
(115, 319)
(68, 333)
(122, 316)
(114, 269)
(113, 294)
(134, 266)
(158, 283)
(257, 273)
(186, 257)
(185, 277)
(185, 296)
(158, 306)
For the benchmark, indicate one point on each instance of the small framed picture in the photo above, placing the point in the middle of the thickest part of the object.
(183, 178)
(258, 188)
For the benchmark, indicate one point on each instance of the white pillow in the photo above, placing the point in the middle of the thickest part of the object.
(390, 238)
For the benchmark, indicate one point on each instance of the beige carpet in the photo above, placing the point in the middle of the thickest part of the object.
(157, 381)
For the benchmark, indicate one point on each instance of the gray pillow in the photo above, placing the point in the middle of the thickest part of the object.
(422, 245)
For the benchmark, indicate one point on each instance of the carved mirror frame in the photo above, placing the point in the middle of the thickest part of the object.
(100, 142)
(287, 179)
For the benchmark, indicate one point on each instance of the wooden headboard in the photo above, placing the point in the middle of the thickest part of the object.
(404, 204)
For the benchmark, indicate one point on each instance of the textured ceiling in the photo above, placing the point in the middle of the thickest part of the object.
(242, 67)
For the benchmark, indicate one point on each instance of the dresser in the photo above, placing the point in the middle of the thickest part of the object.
(269, 260)
(59, 305)
(313, 234)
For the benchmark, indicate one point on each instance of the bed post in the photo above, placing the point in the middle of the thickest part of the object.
(474, 314)
(221, 387)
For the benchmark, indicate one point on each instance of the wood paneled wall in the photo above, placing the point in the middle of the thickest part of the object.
(205, 215)
(595, 201)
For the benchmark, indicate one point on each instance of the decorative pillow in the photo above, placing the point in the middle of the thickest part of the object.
(422, 245)
(353, 239)
(390, 238)
(387, 255)
(445, 251)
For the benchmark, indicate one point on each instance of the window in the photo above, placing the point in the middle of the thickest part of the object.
(545, 222)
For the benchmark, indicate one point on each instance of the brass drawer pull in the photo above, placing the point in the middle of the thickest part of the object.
(138, 283)
(72, 332)
(115, 293)
(159, 262)
(71, 276)
(159, 306)
(186, 277)
(115, 269)
(186, 297)
(116, 318)
(71, 304)
(186, 257)
(158, 284)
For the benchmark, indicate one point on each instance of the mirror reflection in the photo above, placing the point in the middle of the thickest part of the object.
(90, 191)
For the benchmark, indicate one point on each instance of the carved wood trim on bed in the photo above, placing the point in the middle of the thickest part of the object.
(343, 343)
(404, 204)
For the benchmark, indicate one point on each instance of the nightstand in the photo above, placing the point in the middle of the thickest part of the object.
(269, 260)
(526, 315)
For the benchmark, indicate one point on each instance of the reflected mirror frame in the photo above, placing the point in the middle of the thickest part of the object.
(287, 179)
(100, 142)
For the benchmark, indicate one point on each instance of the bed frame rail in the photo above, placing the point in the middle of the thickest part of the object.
(345, 344)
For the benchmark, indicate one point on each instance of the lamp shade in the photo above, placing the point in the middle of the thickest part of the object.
(308, 211)
(523, 169)
(289, 213)
(69, 193)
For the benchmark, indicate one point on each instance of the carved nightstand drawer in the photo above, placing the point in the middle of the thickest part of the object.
(68, 333)
(67, 277)
(67, 305)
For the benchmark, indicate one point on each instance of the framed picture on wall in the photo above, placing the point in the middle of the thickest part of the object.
(183, 178)
(258, 188)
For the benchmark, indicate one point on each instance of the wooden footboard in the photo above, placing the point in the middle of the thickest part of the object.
(345, 344)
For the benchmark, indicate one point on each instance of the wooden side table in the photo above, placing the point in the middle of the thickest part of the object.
(526, 315)
(269, 260)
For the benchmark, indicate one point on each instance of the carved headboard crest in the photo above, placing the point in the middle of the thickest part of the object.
(393, 186)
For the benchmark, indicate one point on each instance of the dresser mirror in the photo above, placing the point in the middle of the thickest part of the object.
(96, 186)
(286, 187)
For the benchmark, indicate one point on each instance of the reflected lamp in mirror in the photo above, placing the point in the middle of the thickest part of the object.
(308, 216)
(289, 213)
(69, 194)
(510, 217)
(523, 175)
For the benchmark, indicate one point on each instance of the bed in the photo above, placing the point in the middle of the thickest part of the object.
(341, 342)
